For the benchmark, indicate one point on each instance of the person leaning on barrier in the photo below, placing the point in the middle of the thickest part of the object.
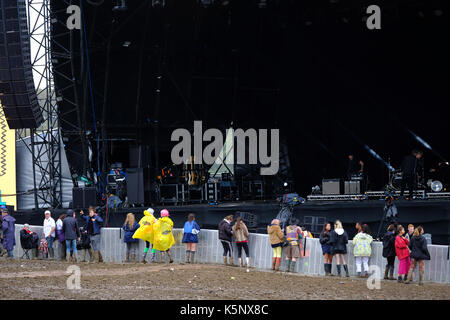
(93, 225)
(276, 237)
(225, 235)
(240, 233)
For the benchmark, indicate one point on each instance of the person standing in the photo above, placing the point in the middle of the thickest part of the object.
(324, 239)
(190, 237)
(240, 233)
(293, 237)
(276, 238)
(8, 228)
(338, 242)
(410, 232)
(389, 252)
(93, 226)
(29, 240)
(402, 251)
(410, 168)
(49, 232)
(225, 235)
(362, 250)
(354, 167)
(60, 235)
(130, 226)
(419, 253)
(71, 235)
(163, 235)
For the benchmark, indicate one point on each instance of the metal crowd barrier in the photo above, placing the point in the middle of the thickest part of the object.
(209, 250)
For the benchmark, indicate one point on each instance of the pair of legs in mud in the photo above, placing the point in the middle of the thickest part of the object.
(147, 248)
(190, 252)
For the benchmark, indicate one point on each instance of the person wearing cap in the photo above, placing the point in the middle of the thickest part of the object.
(71, 235)
(8, 228)
(49, 232)
(93, 225)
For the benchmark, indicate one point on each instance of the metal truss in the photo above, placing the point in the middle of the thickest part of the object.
(44, 143)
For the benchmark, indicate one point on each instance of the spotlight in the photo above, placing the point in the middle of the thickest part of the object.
(120, 5)
(126, 44)
(436, 186)
(158, 3)
(285, 184)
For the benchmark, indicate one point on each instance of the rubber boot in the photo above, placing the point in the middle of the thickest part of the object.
(247, 260)
(127, 258)
(420, 277)
(192, 256)
(292, 266)
(33, 254)
(83, 255)
(100, 258)
(391, 273)
(288, 266)
(68, 257)
(399, 279)
(386, 271)
(277, 264)
(133, 257)
(225, 260)
(409, 277)
(51, 253)
(274, 260)
(75, 257)
(170, 257)
(346, 271)
(338, 266)
(91, 255)
(95, 257)
(330, 272)
(188, 253)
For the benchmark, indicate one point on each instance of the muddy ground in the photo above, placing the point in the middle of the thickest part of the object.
(37, 279)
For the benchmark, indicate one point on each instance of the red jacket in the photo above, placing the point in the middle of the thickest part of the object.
(401, 247)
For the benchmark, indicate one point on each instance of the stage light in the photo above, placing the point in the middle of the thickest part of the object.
(436, 186)
(120, 5)
(262, 4)
(126, 44)
(158, 3)
(285, 184)
(206, 3)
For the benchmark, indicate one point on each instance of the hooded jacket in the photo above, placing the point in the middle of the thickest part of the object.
(401, 247)
(225, 231)
(8, 227)
(276, 235)
(362, 242)
(241, 234)
(338, 241)
(419, 248)
(389, 245)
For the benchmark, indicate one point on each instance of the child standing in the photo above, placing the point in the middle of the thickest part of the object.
(402, 251)
(240, 233)
(293, 237)
(163, 236)
(85, 245)
(190, 237)
(130, 226)
(419, 253)
(276, 237)
(338, 242)
(362, 250)
(324, 239)
(145, 232)
(389, 252)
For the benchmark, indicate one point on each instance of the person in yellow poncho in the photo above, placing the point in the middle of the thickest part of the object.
(145, 232)
(163, 236)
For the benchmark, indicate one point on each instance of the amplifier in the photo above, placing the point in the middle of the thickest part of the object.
(332, 186)
(84, 197)
(352, 187)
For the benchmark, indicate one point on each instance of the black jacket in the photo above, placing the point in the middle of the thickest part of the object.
(70, 228)
(389, 245)
(225, 232)
(419, 249)
(85, 240)
(338, 242)
(28, 240)
(325, 237)
(409, 165)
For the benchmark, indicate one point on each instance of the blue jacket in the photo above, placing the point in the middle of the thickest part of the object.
(128, 237)
(188, 236)
(8, 227)
(97, 223)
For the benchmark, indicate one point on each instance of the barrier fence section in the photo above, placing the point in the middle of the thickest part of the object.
(209, 250)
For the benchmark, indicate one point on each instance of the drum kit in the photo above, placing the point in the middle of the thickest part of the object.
(438, 183)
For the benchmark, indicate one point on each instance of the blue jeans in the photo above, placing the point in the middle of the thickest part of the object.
(71, 245)
(10, 253)
(50, 241)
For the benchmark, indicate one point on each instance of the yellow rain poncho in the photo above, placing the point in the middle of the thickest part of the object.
(145, 231)
(163, 235)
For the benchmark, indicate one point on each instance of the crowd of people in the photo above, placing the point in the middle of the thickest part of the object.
(409, 247)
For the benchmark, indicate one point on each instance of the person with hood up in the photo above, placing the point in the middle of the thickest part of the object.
(419, 253)
(389, 252)
(163, 235)
(362, 250)
(276, 238)
(145, 232)
(8, 228)
(338, 242)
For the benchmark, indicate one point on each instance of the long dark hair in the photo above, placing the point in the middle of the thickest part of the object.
(324, 230)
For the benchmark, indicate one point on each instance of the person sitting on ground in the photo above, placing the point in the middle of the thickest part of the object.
(240, 233)
(362, 250)
(71, 235)
(338, 242)
(225, 237)
(419, 253)
(402, 251)
(84, 245)
(389, 252)
(29, 240)
(293, 237)
(130, 226)
(276, 238)
(190, 237)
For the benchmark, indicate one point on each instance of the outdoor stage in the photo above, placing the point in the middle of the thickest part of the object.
(433, 215)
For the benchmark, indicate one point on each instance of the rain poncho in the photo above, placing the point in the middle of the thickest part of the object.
(163, 235)
(145, 231)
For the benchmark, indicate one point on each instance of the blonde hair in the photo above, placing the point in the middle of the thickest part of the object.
(418, 231)
(130, 220)
(338, 224)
